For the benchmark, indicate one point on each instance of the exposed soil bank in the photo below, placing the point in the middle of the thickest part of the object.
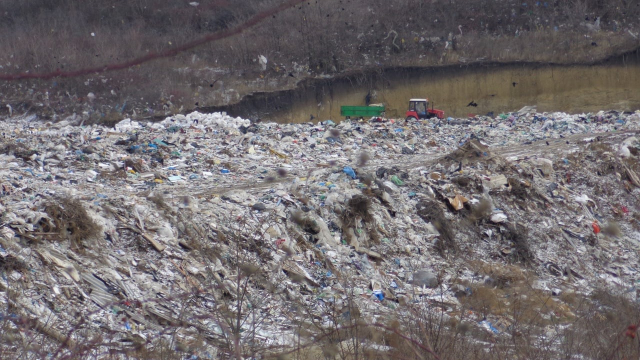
(614, 84)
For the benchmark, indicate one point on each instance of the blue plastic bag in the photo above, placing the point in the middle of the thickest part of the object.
(350, 172)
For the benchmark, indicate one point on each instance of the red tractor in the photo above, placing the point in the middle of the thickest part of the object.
(419, 109)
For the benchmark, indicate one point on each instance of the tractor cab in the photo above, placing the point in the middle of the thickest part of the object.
(419, 109)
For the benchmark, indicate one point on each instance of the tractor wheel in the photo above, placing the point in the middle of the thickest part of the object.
(410, 118)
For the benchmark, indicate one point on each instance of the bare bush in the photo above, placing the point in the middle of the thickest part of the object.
(71, 221)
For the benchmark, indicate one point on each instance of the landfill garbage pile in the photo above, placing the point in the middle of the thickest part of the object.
(206, 236)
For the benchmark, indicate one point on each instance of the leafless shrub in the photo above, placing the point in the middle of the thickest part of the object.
(71, 221)
(111, 119)
(360, 206)
(612, 229)
(158, 200)
(480, 211)
(433, 213)
(518, 190)
(18, 150)
(363, 158)
(518, 234)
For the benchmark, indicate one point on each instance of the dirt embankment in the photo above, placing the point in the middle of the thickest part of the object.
(460, 91)
(323, 40)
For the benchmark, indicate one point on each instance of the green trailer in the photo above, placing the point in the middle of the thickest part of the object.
(362, 111)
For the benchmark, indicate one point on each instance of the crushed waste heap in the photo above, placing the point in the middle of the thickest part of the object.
(159, 233)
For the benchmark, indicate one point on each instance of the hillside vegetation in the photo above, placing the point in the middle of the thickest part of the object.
(317, 38)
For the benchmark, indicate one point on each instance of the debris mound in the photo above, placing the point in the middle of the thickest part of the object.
(472, 150)
(206, 231)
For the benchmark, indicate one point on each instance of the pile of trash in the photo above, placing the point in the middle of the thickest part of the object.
(191, 222)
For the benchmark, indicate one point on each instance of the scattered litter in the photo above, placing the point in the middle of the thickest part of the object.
(96, 220)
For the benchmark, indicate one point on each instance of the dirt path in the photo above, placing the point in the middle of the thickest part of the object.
(555, 149)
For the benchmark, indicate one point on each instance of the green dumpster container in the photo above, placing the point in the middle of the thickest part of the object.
(361, 111)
